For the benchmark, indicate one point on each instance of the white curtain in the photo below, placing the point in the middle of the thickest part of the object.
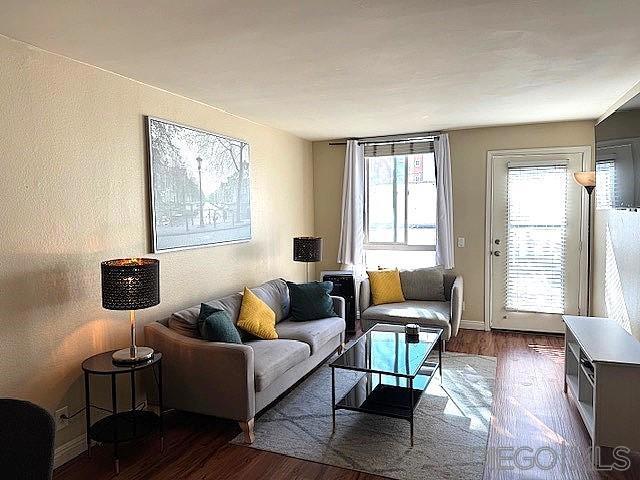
(444, 206)
(351, 251)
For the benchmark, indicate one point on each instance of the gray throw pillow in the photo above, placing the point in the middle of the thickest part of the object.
(423, 284)
(275, 294)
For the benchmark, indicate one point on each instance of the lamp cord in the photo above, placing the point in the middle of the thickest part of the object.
(69, 417)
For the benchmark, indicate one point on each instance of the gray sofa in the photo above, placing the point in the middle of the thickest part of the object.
(445, 314)
(237, 381)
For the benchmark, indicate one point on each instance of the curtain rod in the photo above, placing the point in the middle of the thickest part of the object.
(392, 138)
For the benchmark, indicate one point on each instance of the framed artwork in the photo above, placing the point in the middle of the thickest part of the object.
(199, 186)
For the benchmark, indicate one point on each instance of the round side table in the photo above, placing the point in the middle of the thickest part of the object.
(128, 424)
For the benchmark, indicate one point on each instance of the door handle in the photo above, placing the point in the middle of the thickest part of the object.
(496, 253)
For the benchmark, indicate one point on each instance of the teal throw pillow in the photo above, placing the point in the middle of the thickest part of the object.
(216, 326)
(310, 301)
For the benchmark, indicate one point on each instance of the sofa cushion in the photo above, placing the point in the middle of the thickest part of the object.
(187, 320)
(423, 284)
(412, 311)
(315, 333)
(183, 328)
(272, 358)
(275, 294)
(310, 301)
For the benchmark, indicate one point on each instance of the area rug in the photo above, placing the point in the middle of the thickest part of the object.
(451, 425)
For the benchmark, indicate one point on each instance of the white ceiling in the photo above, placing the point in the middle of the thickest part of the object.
(336, 68)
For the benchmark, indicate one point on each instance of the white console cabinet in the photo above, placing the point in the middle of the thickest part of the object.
(602, 373)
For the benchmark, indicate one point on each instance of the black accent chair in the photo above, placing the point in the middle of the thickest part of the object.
(27, 432)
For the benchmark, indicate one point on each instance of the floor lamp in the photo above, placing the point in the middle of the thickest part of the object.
(588, 181)
(307, 249)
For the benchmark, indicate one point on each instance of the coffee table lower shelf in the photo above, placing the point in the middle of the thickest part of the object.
(386, 395)
(386, 400)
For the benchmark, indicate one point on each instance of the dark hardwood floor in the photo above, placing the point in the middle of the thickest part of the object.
(530, 411)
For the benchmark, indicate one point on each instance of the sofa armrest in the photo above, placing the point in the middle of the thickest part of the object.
(339, 306)
(456, 305)
(212, 378)
(365, 295)
(449, 278)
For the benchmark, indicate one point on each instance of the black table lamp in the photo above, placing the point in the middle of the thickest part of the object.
(307, 249)
(131, 284)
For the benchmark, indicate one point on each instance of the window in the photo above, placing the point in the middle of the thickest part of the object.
(400, 206)
(537, 231)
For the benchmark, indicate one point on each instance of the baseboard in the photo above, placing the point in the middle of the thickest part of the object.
(471, 325)
(69, 451)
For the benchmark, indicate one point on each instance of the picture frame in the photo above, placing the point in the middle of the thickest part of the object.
(199, 187)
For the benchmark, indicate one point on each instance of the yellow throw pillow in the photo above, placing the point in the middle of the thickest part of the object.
(256, 317)
(385, 286)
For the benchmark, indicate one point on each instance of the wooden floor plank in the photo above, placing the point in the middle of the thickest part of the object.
(530, 410)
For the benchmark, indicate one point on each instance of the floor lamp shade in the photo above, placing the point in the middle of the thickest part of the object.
(131, 284)
(307, 249)
(586, 179)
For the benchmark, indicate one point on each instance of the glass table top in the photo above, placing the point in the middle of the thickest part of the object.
(385, 349)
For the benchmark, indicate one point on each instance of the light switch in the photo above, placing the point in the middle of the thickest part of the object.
(461, 242)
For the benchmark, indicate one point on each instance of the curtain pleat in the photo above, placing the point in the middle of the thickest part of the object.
(444, 206)
(351, 250)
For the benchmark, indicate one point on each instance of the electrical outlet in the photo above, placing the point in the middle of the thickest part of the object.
(62, 418)
(463, 306)
(461, 242)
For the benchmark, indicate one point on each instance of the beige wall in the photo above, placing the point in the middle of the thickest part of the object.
(469, 164)
(74, 193)
(328, 170)
(469, 170)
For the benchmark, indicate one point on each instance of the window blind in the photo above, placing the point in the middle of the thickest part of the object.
(397, 148)
(605, 184)
(536, 227)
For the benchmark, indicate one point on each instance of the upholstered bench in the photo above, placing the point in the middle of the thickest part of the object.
(445, 313)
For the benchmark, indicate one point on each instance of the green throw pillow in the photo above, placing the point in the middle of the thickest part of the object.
(310, 301)
(216, 326)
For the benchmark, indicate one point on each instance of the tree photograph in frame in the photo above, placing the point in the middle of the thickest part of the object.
(199, 185)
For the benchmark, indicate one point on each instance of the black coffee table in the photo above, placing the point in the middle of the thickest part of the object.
(396, 369)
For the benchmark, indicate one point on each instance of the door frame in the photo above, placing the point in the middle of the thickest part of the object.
(587, 165)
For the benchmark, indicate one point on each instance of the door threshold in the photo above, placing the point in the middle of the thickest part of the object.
(527, 332)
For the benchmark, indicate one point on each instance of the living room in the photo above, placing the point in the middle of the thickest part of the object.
(355, 239)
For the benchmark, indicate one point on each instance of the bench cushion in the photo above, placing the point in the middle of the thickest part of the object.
(272, 358)
(315, 333)
(427, 314)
